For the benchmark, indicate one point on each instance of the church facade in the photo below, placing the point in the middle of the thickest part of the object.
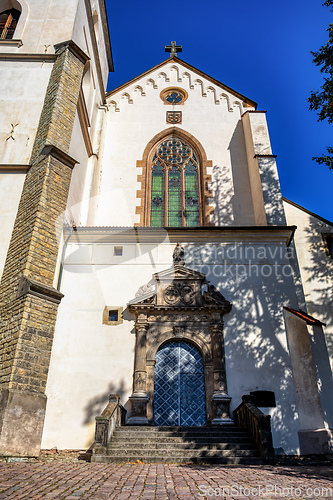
(146, 248)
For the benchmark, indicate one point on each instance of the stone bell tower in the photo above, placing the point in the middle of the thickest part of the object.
(55, 58)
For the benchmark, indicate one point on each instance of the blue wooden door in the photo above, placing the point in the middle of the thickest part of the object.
(179, 392)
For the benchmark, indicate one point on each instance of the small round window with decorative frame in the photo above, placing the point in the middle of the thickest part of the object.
(173, 95)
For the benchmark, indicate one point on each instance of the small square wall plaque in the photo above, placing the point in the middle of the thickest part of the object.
(173, 116)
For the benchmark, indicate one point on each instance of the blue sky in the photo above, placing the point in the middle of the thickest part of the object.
(259, 48)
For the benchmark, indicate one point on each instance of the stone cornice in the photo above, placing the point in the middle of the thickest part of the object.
(183, 309)
(254, 111)
(11, 43)
(75, 49)
(21, 56)
(33, 287)
(264, 155)
(59, 155)
(14, 168)
(154, 235)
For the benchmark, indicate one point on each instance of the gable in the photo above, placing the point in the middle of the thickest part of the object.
(178, 73)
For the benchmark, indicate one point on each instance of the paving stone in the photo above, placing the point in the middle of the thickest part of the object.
(35, 480)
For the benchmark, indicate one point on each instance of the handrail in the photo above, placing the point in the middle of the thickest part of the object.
(113, 415)
(249, 416)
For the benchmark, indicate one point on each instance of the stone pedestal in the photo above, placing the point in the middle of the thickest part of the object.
(221, 411)
(316, 442)
(21, 423)
(138, 410)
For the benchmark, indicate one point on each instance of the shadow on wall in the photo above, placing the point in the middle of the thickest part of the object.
(222, 196)
(319, 274)
(319, 278)
(256, 353)
(242, 199)
(96, 405)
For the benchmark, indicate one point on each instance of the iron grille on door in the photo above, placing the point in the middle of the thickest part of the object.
(179, 394)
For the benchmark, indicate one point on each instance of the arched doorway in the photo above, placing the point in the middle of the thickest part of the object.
(179, 387)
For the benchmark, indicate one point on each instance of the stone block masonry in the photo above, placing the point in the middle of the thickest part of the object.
(28, 300)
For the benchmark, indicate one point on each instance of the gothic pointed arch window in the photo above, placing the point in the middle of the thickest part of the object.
(174, 199)
(8, 23)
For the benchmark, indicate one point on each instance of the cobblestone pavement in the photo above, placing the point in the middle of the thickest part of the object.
(67, 480)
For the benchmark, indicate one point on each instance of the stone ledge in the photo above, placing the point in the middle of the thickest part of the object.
(9, 56)
(58, 154)
(75, 49)
(14, 168)
(32, 287)
(11, 43)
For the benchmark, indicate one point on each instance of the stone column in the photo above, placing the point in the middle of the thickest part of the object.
(220, 398)
(28, 301)
(139, 398)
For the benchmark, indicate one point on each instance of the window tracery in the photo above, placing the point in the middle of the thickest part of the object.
(173, 95)
(174, 200)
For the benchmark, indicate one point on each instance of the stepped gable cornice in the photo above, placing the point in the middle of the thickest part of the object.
(172, 60)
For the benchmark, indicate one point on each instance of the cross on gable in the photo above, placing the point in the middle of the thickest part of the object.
(173, 49)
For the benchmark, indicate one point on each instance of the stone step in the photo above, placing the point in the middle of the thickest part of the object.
(181, 439)
(176, 453)
(162, 428)
(187, 435)
(115, 445)
(224, 445)
(181, 430)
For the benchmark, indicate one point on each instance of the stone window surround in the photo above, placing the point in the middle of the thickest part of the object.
(169, 90)
(145, 178)
(106, 316)
(325, 237)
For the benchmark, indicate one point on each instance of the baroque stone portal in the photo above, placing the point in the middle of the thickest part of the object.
(179, 304)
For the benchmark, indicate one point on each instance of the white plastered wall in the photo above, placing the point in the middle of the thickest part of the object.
(91, 360)
(10, 188)
(81, 188)
(316, 269)
(23, 86)
(137, 113)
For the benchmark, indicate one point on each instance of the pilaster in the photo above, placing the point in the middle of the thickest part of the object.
(220, 399)
(314, 438)
(264, 180)
(139, 398)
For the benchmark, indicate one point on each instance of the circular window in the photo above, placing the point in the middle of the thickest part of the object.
(173, 95)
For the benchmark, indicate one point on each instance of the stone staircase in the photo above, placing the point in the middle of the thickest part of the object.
(214, 444)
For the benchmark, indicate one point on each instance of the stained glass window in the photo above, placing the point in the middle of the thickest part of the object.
(174, 198)
(8, 23)
(173, 95)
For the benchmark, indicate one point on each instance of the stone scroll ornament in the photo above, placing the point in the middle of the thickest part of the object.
(178, 255)
(179, 294)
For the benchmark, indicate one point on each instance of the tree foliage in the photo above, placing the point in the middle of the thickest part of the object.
(322, 100)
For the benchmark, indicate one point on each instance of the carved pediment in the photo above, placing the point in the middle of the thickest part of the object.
(212, 297)
(146, 294)
(179, 287)
(179, 273)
